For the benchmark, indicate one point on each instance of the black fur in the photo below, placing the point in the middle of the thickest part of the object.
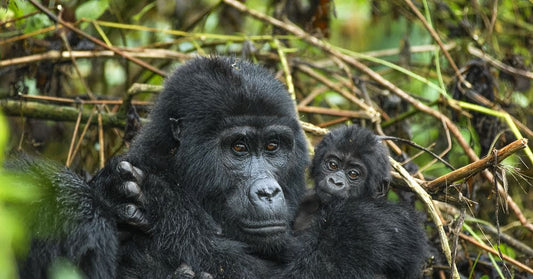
(360, 237)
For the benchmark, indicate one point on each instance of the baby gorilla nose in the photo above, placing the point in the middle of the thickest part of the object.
(337, 182)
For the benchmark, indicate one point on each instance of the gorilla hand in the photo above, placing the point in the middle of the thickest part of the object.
(131, 213)
(118, 184)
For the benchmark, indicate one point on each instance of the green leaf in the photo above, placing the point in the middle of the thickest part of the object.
(91, 10)
(37, 22)
(114, 73)
(20, 7)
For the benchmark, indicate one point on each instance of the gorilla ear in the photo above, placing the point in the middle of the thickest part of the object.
(383, 188)
(175, 126)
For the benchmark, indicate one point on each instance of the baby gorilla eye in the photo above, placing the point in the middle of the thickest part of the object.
(272, 146)
(332, 165)
(239, 147)
(353, 174)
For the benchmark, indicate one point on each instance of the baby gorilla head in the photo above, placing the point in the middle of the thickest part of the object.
(350, 162)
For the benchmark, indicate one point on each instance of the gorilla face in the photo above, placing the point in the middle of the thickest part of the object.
(350, 162)
(342, 175)
(255, 207)
(235, 145)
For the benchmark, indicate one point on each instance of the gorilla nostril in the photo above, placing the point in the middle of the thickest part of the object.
(268, 194)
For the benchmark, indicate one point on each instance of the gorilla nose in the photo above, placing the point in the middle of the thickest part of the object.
(338, 183)
(266, 192)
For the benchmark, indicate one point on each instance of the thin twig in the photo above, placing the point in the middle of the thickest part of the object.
(371, 112)
(82, 135)
(337, 112)
(438, 40)
(494, 252)
(444, 152)
(152, 53)
(94, 40)
(506, 68)
(101, 139)
(432, 210)
(86, 102)
(76, 127)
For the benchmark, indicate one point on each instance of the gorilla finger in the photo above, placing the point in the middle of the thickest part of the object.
(125, 169)
(130, 189)
(133, 215)
(129, 172)
(184, 271)
(138, 174)
(205, 275)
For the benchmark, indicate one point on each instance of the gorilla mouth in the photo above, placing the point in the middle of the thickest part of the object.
(324, 195)
(264, 228)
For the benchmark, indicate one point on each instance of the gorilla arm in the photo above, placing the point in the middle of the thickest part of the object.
(68, 221)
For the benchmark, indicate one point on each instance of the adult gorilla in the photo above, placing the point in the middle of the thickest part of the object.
(224, 156)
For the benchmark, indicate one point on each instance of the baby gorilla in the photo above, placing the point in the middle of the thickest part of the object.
(351, 174)
(349, 162)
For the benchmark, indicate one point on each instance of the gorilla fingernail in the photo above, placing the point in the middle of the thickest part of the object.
(124, 168)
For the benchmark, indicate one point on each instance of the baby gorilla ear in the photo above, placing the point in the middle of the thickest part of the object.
(383, 188)
(175, 126)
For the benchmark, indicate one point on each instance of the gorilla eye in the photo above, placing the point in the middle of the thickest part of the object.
(239, 147)
(332, 165)
(272, 146)
(353, 174)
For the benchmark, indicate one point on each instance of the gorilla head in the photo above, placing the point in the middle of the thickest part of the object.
(350, 162)
(226, 132)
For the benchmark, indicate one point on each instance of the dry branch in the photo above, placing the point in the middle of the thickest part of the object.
(432, 211)
(506, 68)
(65, 55)
(494, 252)
(336, 112)
(470, 169)
(56, 113)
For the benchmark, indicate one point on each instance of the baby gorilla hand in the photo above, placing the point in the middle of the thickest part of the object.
(131, 213)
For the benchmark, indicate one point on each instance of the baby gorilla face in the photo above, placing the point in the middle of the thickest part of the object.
(350, 162)
(342, 176)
